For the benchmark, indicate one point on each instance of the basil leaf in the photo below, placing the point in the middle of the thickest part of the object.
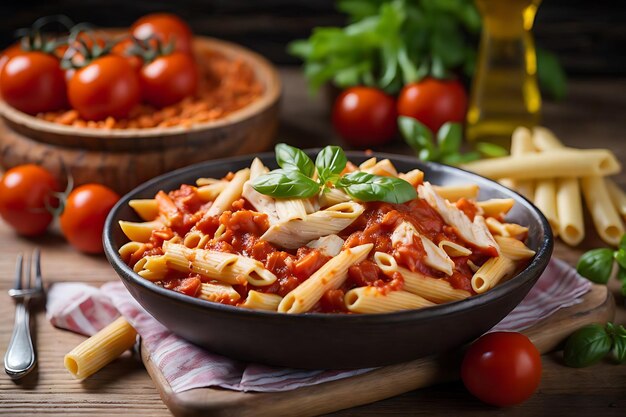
(285, 183)
(622, 242)
(619, 344)
(369, 187)
(620, 257)
(291, 158)
(449, 138)
(330, 162)
(596, 265)
(491, 150)
(418, 137)
(586, 346)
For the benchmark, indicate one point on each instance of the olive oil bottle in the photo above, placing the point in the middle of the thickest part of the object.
(504, 93)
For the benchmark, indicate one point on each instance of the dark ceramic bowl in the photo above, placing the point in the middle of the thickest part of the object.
(330, 341)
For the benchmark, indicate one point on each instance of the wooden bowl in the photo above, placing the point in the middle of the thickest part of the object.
(124, 158)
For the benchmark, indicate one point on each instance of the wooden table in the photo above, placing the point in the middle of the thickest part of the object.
(592, 116)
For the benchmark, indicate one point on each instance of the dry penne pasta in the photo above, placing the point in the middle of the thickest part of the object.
(564, 163)
(545, 200)
(618, 197)
(100, 349)
(604, 215)
(522, 143)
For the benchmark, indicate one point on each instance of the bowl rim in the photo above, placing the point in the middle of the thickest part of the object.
(539, 262)
(261, 65)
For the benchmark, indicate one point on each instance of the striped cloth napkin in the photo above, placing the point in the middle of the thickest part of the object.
(84, 309)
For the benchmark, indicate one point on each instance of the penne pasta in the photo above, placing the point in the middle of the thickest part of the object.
(522, 143)
(257, 168)
(290, 209)
(262, 301)
(384, 168)
(211, 191)
(332, 197)
(147, 209)
(454, 249)
(496, 207)
(475, 232)
(569, 207)
(153, 268)
(436, 290)
(492, 272)
(221, 266)
(217, 292)
(413, 177)
(545, 140)
(386, 262)
(456, 192)
(514, 249)
(371, 300)
(618, 197)
(231, 192)
(564, 163)
(545, 200)
(298, 232)
(604, 215)
(330, 276)
(368, 163)
(100, 349)
(140, 232)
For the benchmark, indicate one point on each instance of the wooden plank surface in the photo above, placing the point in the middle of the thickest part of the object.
(592, 117)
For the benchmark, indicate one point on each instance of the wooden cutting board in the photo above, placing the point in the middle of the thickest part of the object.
(597, 306)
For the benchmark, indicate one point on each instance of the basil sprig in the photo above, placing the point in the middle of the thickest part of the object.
(446, 148)
(368, 187)
(591, 343)
(597, 264)
(296, 178)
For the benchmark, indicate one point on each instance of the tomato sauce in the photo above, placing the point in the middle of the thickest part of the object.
(242, 228)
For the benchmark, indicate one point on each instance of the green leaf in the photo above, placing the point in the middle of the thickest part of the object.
(622, 242)
(418, 137)
(596, 265)
(586, 346)
(449, 138)
(282, 183)
(491, 150)
(290, 158)
(369, 187)
(552, 78)
(619, 344)
(620, 257)
(330, 162)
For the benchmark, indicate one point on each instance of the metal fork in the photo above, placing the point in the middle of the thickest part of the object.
(20, 358)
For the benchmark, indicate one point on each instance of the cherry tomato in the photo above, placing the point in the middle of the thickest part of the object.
(365, 116)
(9, 53)
(33, 82)
(168, 79)
(24, 192)
(122, 49)
(86, 209)
(502, 368)
(106, 87)
(433, 102)
(165, 27)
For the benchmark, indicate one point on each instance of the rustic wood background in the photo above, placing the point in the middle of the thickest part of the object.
(587, 36)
